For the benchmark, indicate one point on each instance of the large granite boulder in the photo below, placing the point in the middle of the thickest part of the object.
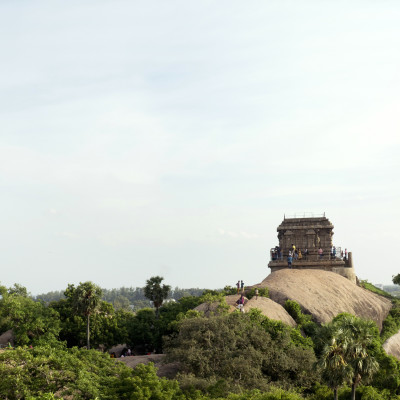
(392, 345)
(324, 294)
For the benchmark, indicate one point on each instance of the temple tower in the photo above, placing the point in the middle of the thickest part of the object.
(310, 233)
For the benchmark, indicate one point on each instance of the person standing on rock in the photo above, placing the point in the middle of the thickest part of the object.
(256, 294)
(240, 303)
(289, 260)
(242, 286)
(321, 253)
(238, 286)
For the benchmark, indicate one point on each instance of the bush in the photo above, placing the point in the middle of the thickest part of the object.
(391, 325)
(294, 310)
(272, 394)
(229, 290)
(262, 292)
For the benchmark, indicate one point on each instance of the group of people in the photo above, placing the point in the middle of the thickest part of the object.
(240, 302)
(334, 255)
(296, 254)
(240, 286)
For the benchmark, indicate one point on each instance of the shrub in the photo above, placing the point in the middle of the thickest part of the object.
(262, 292)
(391, 325)
(369, 286)
(294, 310)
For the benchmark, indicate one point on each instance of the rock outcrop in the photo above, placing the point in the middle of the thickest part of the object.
(270, 309)
(392, 345)
(324, 294)
(6, 337)
(267, 307)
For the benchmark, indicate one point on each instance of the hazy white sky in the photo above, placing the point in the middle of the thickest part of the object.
(170, 137)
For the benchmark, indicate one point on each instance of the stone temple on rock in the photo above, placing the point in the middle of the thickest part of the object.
(309, 235)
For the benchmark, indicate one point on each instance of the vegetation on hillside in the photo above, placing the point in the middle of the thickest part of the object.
(232, 356)
(369, 286)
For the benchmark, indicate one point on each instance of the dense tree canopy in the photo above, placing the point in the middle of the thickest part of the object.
(77, 374)
(232, 356)
(239, 349)
(32, 322)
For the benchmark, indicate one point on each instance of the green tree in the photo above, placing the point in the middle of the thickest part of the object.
(350, 351)
(48, 373)
(396, 279)
(18, 290)
(86, 299)
(336, 371)
(107, 326)
(122, 303)
(155, 292)
(32, 322)
(237, 349)
(363, 336)
(143, 332)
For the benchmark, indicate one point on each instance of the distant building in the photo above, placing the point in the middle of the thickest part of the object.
(309, 235)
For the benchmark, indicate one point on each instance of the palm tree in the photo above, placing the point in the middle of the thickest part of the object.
(86, 300)
(155, 292)
(336, 371)
(360, 351)
(348, 354)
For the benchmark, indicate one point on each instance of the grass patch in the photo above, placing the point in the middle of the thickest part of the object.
(369, 286)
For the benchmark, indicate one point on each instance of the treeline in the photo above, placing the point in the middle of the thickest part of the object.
(222, 355)
(125, 297)
(394, 290)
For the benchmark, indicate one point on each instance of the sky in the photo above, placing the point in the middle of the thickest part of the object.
(170, 138)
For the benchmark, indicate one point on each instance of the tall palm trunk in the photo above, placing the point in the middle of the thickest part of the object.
(88, 332)
(353, 391)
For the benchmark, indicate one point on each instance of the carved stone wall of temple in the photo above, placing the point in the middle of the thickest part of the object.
(305, 233)
(311, 234)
